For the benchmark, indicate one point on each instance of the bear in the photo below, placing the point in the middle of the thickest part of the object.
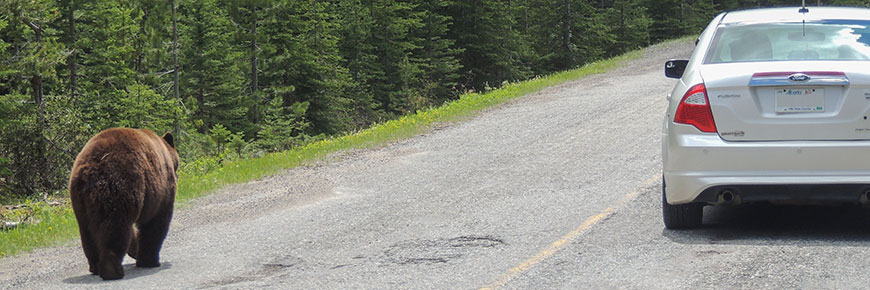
(122, 187)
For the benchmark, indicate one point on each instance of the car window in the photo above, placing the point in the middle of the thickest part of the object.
(823, 40)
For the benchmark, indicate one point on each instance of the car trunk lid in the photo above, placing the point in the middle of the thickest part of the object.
(774, 101)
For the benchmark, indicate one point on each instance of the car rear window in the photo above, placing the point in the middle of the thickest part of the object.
(820, 40)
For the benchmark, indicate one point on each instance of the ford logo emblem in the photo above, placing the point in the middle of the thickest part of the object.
(799, 77)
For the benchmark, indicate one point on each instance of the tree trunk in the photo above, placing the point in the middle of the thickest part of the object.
(73, 64)
(138, 66)
(36, 79)
(255, 81)
(175, 69)
(567, 23)
(622, 29)
(37, 95)
(254, 77)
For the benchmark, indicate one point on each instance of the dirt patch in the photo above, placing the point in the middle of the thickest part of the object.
(438, 251)
(266, 270)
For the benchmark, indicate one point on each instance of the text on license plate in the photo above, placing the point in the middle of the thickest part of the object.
(800, 100)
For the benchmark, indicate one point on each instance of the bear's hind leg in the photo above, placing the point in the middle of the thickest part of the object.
(151, 236)
(113, 247)
(110, 265)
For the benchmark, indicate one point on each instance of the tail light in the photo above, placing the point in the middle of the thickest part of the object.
(694, 109)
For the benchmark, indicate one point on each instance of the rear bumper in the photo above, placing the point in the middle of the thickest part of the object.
(802, 193)
(698, 167)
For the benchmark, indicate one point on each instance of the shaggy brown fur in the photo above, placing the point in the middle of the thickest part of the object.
(124, 177)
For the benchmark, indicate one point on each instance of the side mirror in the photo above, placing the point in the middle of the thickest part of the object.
(674, 68)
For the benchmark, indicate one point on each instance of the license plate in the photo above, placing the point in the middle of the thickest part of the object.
(800, 100)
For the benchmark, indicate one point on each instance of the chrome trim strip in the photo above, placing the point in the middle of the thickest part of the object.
(784, 81)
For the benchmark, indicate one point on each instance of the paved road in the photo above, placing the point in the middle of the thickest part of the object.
(560, 189)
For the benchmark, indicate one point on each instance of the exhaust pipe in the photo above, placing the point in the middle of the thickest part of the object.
(865, 198)
(729, 196)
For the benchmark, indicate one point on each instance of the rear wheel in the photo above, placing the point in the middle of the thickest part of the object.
(681, 216)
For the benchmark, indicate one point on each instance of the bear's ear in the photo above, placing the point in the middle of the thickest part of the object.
(169, 139)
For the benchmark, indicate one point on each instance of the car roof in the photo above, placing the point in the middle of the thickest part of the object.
(792, 14)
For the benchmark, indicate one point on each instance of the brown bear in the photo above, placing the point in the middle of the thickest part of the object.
(124, 177)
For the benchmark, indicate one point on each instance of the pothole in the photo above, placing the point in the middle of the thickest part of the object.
(438, 251)
(266, 270)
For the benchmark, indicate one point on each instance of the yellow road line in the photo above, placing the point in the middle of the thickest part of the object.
(561, 243)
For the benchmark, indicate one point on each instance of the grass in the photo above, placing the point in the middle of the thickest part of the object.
(58, 223)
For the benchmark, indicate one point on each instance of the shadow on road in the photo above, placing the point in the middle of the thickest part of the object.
(130, 270)
(779, 224)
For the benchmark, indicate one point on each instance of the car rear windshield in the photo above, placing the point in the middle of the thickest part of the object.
(820, 40)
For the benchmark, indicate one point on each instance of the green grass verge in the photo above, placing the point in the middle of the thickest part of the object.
(58, 223)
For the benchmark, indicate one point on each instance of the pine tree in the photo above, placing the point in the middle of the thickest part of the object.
(300, 63)
(376, 47)
(677, 18)
(247, 16)
(105, 36)
(212, 78)
(152, 44)
(283, 127)
(629, 24)
(357, 51)
(436, 55)
(492, 51)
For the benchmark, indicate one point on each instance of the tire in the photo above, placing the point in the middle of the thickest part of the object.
(681, 216)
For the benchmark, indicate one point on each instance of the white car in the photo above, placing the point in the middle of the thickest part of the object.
(772, 106)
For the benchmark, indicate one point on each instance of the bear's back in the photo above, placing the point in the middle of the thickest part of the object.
(127, 148)
(133, 157)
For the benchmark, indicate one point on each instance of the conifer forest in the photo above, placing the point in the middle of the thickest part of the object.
(239, 78)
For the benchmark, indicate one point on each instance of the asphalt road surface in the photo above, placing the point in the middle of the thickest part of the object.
(559, 189)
